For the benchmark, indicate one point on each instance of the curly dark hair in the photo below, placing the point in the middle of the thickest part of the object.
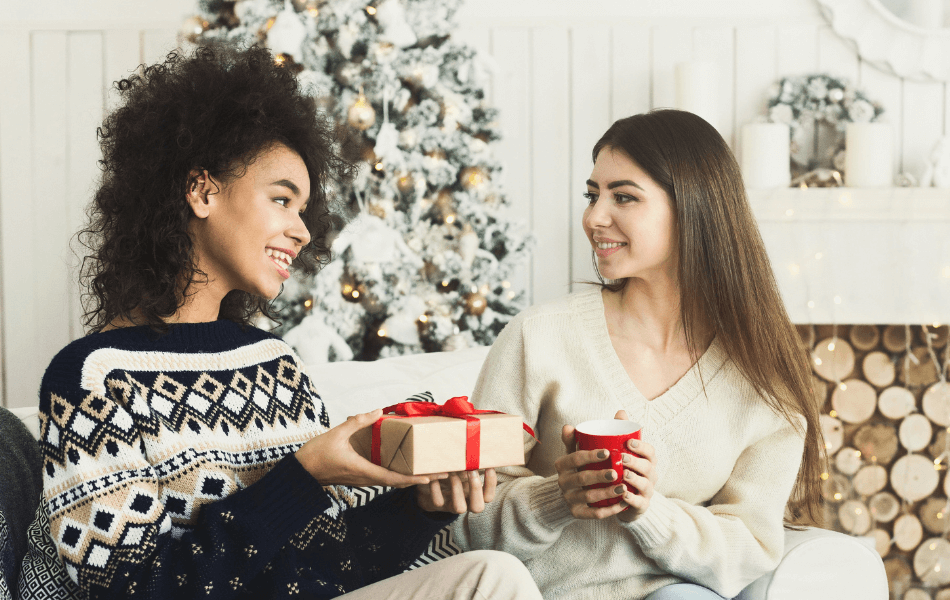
(215, 109)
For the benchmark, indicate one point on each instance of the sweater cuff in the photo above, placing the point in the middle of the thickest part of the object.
(283, 501)
(548, 505)
(655, 525)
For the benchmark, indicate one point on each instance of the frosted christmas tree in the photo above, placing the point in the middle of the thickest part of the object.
(426, 259)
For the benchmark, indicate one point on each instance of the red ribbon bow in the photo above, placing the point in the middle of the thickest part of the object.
(458, 408)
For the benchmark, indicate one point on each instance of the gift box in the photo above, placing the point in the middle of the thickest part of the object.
(418, 440)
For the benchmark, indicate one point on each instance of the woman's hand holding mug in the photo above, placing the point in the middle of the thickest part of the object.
(587, 486)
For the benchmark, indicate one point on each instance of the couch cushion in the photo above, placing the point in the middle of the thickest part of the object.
(350, 388)
(20, 464)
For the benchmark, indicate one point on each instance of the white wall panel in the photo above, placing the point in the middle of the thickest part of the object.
(50, 222)
(797, 49)
(920, 135)
(550, 162)
(717, 44)
(19, 352)
(512, 97)
(630, 62)
(122, 53)
(835, 56)
(888, 91)
(590, 117)
(671, 45)
(755, 72)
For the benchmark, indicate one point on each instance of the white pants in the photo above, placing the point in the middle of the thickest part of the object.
(476, 575)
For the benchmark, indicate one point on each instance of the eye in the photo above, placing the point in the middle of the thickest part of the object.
(624, 198)
(591, 197)
(282, 201)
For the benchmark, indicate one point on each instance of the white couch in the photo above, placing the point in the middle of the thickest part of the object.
(818, 564)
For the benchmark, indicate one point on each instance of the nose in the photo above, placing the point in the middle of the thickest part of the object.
(597, 214)
(298, 231)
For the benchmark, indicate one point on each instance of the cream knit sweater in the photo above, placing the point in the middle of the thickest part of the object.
(726, 465)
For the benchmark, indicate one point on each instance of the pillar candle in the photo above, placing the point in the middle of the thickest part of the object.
(869, 155)
(696, 85)
(765, 155)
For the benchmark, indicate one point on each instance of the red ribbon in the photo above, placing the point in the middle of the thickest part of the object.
(457, 408)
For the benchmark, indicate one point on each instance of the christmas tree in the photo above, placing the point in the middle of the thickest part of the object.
(426, 258)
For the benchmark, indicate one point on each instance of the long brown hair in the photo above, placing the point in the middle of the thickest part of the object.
(725, 278)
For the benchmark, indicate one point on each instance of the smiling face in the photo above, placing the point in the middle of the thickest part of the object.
(630, 220)
(247, 234)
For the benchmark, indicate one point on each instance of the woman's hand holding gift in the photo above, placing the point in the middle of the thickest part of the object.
(639, 472)
(461, 492)
(331, 459)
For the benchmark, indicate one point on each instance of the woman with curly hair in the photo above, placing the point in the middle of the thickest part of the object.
(186, 453)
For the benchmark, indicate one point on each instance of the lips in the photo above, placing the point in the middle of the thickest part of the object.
(605, 248)
(282, 258)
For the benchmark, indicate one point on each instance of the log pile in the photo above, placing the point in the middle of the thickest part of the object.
(885, 415)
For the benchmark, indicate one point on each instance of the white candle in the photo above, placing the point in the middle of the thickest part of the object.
(765, 155)
(869, 155)
(696, 85)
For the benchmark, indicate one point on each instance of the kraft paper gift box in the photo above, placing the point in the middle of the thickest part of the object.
(436, 444)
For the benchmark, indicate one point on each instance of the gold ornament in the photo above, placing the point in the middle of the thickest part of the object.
(361, 115)
(406, 183)
(472, 177)
(192, 28)
(475, 304)
(436, 153)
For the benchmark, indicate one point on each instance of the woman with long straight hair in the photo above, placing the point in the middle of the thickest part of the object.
(688, 336)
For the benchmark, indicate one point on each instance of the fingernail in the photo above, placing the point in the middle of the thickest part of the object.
(627, 460)
(602, 454)
(634, 443)
(610, 475)
(618, 489)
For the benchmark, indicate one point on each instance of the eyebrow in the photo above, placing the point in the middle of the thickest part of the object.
(289, 185)
(616, 184)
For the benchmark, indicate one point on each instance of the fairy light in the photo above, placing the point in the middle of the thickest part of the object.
(817, 361)
(831, 346)
(371, 10)
(270, 23)
(308, 303)
(381, 332)
(811, 304)
(378, 166)
(818, 255)
(837, 299)
(794, 269)
(450, 219)
(824, 476)
(833, 414)
(837, 495)
(424, 319)
(506, 284)
(445, 283)
(280, 59)
(356, 293)
(789, 212)
(843, 387)
(511, 295)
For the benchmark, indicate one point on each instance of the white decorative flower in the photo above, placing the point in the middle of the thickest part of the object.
(781, 113)
(861, 111)
(817, 88)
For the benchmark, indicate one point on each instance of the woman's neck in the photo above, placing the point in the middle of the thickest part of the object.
(202, 305)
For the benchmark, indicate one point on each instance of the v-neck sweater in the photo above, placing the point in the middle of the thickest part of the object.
(726, 464)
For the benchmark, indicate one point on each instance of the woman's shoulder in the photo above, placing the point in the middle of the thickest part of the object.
(143, 347)
(569, 306)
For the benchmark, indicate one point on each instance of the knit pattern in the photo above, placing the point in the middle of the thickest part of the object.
(726, 465)
(169, 469)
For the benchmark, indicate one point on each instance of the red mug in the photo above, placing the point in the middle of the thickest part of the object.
(612, 435)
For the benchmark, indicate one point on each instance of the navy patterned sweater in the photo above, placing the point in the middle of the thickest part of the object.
(169, 471)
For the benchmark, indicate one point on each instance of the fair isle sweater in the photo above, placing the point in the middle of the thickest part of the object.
(169, 472)
(726, 465)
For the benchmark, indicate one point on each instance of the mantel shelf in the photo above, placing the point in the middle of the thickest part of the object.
(854, 255)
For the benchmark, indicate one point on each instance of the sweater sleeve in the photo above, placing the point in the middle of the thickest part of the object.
(112, 529)
(391, 532)
(528, 513)
(739, 536)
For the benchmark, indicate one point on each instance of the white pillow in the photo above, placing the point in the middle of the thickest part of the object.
(353, 387)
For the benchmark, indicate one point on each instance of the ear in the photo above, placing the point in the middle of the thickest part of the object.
(200, 188)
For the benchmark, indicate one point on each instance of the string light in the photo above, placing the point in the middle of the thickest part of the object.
(843, 387)
(356, 293)
(371, 10)
(837, 299)
(506, 284)
(833, 414)
(789, 212)
(381, 332)
(378, 166)
(831, 346)
(450, 219)
(308, 303)
(424, 318)
(280, 59)
(811, 304)
(824, 476)
(818, 255)
(817, 361)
